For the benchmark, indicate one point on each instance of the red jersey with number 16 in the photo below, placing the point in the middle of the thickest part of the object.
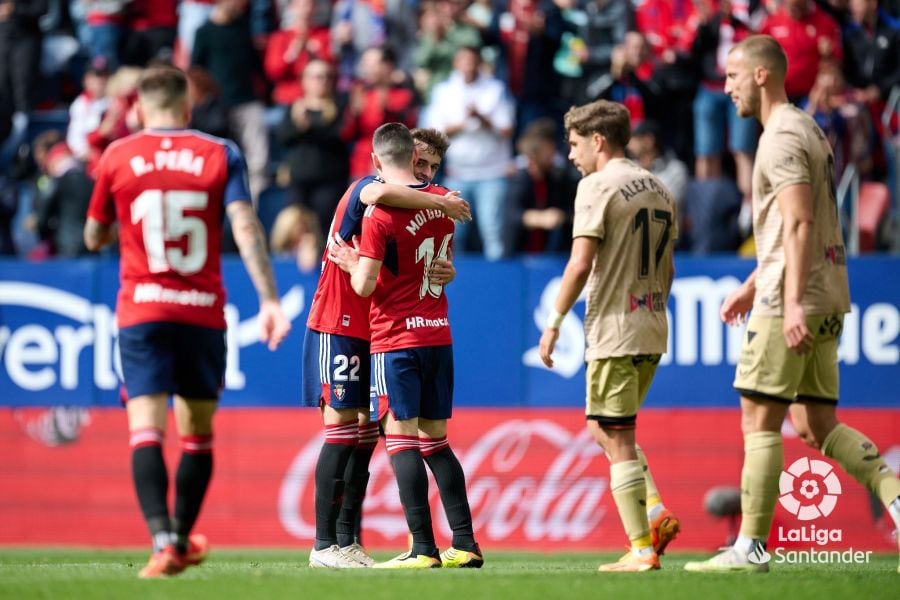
(408, 310)
(167, 188)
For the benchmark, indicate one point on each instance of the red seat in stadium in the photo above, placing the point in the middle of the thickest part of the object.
(874, 205)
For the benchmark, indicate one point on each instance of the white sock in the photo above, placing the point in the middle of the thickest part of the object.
(744, 544)
(642, 551)
(654, 511)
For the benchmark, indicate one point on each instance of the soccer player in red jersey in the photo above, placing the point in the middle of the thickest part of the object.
(412, 356)
(336, 373)
(169, 189)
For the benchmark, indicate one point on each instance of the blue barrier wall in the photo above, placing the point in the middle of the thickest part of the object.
(57, 335)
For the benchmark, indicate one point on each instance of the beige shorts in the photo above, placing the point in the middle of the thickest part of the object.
(768, 369)
(616, 388)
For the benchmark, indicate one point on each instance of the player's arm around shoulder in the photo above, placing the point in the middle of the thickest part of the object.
(402, 196)
(251, 242)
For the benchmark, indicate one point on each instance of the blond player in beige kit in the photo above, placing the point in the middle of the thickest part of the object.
(798, 294)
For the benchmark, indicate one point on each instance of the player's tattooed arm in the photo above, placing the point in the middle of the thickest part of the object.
(97, 235)
(251, 242)
(402, 196)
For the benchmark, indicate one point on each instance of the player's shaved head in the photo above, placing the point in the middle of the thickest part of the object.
(394, 145)
(433, 140)
(163, 89)
(763, 51)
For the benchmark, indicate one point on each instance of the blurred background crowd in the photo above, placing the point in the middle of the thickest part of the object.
(301, 85)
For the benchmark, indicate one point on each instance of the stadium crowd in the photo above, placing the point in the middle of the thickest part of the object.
(301, 85)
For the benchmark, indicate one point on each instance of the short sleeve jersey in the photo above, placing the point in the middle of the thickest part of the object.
(633, 217)
(336, 308)
(408, 310)
(793, 150)
(168, 189)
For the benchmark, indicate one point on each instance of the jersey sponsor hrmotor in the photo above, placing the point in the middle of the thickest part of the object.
(408, 309)
(336, 308)
(167, 189)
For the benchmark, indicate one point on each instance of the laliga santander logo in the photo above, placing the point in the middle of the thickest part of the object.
(809, 489)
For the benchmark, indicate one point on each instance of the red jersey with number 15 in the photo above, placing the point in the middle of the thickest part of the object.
(167, 188)
(408, 310)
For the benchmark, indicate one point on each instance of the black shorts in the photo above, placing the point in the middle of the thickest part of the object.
(173, 358)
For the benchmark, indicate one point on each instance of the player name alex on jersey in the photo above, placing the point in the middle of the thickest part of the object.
(645, 184)
(182, 160)
(421, 217)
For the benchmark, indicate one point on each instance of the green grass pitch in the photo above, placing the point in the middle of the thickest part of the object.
(275, 574)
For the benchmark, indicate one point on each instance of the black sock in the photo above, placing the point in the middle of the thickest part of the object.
(151, 481)
(409, 469)
(451, 482)
(191, 482)
(356, 479)
(329, 491)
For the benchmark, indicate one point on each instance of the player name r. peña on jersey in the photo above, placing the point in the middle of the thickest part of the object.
(169, 160)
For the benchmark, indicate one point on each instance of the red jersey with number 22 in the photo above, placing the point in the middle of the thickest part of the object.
(408, 310)
(167, 188)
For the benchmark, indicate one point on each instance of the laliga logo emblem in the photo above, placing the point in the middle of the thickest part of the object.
(809, 489)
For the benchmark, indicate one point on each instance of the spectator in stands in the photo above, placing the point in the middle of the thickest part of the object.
(807, 34)
(529, 34)
(668, 26)
(540, 193)
(291, 49)
(713, 109)
(224, 47)
(356, 26)
(315, 168)
(88, 109)
(192, 15)
(871, 54)
(444, 28)
(647, 150)
(63, 202)
(710, 216)
(105, 22)
(151, 28)
(208, 113)
(845, 121)
(472, 108)
(20, 56)
(297, 234)
(120, 118)
(376, 98)
(603, 27)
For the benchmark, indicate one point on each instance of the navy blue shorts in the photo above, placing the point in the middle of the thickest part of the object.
(335, 370)
(173, 358)
(416, 382)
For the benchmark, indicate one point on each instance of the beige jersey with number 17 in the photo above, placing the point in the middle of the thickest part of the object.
(633, 216)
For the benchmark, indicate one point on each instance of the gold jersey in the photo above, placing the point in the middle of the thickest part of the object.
(634, 218)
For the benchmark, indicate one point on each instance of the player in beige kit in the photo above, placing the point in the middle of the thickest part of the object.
(624, 233)
(798, 295)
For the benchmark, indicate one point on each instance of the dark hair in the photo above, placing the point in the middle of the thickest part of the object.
(610, 119)
(435, 140)
(393, 144)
